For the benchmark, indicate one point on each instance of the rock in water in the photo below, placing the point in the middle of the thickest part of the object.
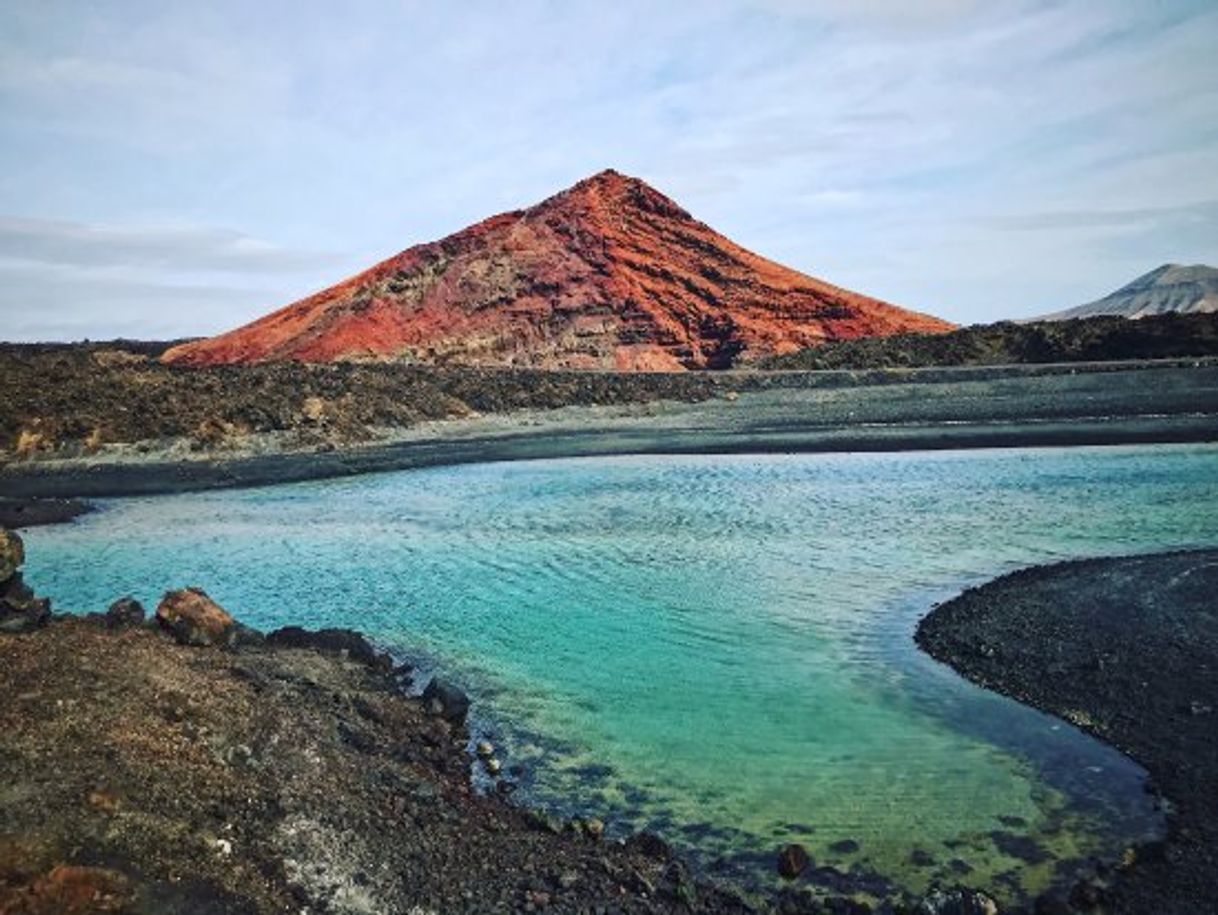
(959, 901)
(446, 700)
(193, 618)
(126, 611)
(793, 861)
(12, 554)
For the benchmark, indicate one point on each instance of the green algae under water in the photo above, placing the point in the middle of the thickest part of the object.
(716, 648)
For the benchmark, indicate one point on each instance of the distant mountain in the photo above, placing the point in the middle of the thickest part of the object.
(609, 274)
(1170, 288)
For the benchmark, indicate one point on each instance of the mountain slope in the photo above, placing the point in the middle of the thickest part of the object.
(608, 274)
(1170, 288)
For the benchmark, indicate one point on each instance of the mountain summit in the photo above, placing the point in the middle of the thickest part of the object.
(609, 274)
(1172, 287)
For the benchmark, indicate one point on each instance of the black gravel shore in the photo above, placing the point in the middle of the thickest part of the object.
(1126, 649)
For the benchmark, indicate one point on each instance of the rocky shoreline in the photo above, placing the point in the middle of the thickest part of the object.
(1126, 649)
(185, 763)
(309, 437)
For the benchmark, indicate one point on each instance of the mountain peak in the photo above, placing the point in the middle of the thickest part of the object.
(1186, 289)
(613, 191)
(607, 274)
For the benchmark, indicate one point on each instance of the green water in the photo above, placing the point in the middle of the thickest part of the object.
(717, 648)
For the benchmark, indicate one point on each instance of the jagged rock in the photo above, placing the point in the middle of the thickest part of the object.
(36, 615)
(126, 611)
(445, 700)
(334, 641)
(12, 554)
(20, 609)
(193, 618)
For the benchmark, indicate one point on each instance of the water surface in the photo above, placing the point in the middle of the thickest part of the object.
(717, 648)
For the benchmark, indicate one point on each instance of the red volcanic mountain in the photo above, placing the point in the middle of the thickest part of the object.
(609, 274)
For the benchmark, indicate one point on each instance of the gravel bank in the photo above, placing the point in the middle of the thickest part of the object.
(1126, 649)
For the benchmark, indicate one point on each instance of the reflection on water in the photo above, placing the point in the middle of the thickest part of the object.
(717, 648)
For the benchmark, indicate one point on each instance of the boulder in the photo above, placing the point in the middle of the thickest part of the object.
(193, 618)
(20, 609)
(15, 595)
(126, 611)
(793, 861)
(446, 700)
(12, 554)
(36, 615)
(346, 642)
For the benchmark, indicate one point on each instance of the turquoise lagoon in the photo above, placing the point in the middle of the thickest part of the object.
(716, 648)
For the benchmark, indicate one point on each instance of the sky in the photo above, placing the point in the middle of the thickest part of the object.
(179, 168)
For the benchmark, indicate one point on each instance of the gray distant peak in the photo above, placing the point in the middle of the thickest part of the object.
(1186, 289)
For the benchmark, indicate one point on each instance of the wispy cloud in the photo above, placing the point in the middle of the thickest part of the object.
(1138, 218)
(173, 248)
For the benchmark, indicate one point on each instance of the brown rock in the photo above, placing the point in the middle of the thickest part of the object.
(12, 554)
(126, 611)
(67, 890)
(20, 610)
(193, 618)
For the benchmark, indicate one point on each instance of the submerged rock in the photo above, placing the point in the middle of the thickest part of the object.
(594, 829)
(957, 901)
(193, 618)
(650, 845)
(793, 861)
(446, 700)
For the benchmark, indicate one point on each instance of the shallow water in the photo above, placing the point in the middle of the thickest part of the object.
(718, 648)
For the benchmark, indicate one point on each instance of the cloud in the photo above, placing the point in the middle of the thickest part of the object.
(41, 303)
(1137, 218)
(69, 280)
(179, 249)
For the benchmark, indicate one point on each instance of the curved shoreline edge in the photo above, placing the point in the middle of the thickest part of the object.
(1126, 649)
(1080, 639)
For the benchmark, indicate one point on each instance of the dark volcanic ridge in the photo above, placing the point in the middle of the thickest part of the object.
(609, 274)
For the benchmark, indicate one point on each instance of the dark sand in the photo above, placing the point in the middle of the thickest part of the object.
(1126, 649)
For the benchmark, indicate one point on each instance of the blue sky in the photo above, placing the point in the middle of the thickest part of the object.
(180, 168)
